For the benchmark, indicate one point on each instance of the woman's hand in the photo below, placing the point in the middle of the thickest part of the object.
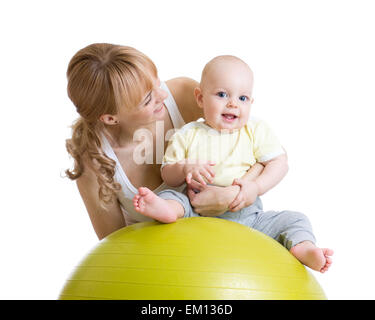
(247, 195)
(211, 201)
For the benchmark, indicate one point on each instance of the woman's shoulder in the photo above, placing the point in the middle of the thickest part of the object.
(180, 85)
(182, 89)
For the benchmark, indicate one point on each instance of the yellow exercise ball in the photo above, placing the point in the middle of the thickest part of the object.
(192, 259)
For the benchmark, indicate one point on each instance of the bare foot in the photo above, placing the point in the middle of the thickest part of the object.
(318, 259)
(149, 204)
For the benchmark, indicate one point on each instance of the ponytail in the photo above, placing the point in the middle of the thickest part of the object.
(85, 142)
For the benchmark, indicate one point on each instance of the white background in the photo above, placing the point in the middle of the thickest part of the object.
(314, 71)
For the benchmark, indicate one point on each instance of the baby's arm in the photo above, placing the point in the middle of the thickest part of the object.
(173, 174)
(176, 173)
(177, 168)
(273, 172)
(254, 172)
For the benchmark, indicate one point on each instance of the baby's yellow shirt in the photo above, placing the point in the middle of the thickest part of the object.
(233, 153)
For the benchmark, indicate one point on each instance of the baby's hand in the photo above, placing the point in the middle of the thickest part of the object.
(196, 170)
(247, 195)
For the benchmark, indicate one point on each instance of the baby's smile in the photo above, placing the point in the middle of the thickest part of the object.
(228, 117)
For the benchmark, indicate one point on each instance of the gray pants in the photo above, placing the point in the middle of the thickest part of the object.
(287, 227)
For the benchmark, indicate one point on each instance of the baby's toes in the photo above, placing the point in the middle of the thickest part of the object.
(324, 269)
(328, 261)
(327, 252)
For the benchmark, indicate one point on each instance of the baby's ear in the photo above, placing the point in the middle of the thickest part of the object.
(198, 96)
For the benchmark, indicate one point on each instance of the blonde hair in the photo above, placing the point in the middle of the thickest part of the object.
(102, 78)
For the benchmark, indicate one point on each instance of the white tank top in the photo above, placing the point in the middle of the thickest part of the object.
(128, 191)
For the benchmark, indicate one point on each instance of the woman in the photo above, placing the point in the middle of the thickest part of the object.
(116, 92)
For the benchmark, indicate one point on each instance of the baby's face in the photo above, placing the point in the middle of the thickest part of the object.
(226, 95)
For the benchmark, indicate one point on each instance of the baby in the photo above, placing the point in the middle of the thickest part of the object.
(228, 148)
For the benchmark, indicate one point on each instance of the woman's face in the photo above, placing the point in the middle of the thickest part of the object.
(149, 110)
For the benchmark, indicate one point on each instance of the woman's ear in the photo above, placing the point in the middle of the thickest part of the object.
(198, 96)
(109, 119)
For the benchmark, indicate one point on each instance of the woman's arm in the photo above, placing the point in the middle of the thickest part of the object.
(213, 201)
(104, 220)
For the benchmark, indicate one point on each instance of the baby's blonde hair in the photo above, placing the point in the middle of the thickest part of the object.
(102, 78)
